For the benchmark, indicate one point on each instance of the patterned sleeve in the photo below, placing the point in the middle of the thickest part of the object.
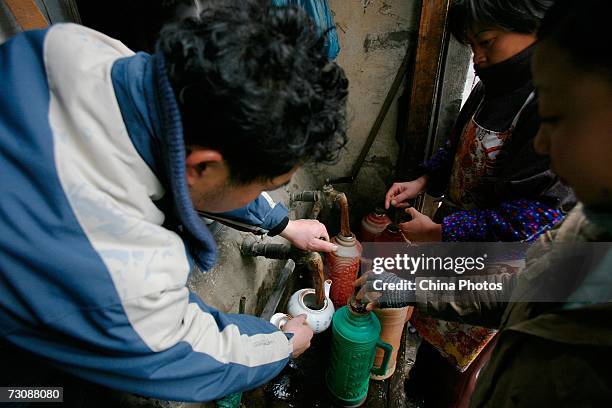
(519, 220)
(439, 159)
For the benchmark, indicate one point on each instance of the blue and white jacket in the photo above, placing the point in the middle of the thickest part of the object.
(97, 232)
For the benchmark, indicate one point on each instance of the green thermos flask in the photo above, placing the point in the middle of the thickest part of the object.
(354, 341)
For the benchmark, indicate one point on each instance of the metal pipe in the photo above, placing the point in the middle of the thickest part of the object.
(251, 246)
(345, 228)
(274, 299)
(306, 196)
(311, 260)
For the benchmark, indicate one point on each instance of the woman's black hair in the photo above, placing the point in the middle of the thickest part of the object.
(520, 16)
(581, 29)
(254, 82)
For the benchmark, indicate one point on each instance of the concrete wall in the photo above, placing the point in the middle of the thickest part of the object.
(374, 36)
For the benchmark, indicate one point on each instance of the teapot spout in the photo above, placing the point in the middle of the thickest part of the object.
(326, 287)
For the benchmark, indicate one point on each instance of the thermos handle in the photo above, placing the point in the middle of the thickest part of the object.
(387, 349)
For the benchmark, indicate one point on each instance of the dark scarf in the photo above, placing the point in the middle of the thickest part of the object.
(509, 75)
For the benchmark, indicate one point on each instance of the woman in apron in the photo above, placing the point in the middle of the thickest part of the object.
(495, 187)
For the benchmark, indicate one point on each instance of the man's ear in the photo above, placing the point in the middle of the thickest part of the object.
(200, 160)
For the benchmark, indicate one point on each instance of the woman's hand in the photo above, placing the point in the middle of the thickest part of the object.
(399, 193)
(421, 228)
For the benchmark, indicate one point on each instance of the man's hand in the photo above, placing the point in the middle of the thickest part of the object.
(421, 228)
(302, 334)
(308, 235)
(400, 192)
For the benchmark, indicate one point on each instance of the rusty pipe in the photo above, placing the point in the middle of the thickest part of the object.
(305, 196)
(333, 196)
(314, 264)
(251, 246)
(345, 228)
(311, 260)
(327, 197)
(242, 305)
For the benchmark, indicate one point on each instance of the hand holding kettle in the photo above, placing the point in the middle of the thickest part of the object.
(374, 291)
(302, 334)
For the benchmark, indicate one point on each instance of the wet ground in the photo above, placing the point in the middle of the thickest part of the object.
(302, 382)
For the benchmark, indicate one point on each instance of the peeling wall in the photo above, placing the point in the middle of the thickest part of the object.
(374, 37)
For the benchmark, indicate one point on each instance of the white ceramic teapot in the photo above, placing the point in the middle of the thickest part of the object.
(302, 301)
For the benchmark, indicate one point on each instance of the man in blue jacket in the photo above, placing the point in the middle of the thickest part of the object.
(106, 158)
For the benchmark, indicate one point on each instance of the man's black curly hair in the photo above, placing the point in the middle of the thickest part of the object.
(253, 81)
(520, 16)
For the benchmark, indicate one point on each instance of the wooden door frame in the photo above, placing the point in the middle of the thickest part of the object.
(428, 66)
(27, 14)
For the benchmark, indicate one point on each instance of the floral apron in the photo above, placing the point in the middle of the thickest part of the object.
(476, 157)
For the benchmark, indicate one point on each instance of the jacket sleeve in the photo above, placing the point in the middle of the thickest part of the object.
(172, 347)
(476, 307)
(262, 212)
(519, 220)
(89, 278)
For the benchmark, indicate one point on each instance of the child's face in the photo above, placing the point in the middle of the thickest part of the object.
(492, 45)
(576, 131)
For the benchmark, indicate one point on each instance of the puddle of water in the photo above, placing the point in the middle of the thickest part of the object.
(302, 382)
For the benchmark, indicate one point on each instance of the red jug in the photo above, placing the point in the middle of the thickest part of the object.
(373, 225)
(343, 267)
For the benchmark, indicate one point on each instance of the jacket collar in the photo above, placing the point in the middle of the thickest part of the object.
(509, 75)
(153, 121)
(197, 237)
